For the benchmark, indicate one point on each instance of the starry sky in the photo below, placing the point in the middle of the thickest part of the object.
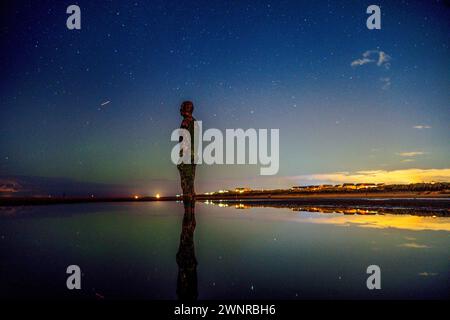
(91, 111)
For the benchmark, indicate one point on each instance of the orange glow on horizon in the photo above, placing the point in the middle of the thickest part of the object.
(400, 176)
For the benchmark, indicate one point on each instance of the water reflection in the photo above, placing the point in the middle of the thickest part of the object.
(187, 262)
(439, 208)
(256, 253)
(379, 216)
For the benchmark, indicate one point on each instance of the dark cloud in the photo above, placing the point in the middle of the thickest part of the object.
(9, 186)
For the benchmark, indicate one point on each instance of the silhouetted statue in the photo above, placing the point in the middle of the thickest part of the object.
(186, 260)
(187, 170)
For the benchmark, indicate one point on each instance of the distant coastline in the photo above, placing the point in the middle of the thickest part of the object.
(425, 195)
(408, 198)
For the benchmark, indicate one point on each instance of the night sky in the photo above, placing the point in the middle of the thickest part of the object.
(91, 111)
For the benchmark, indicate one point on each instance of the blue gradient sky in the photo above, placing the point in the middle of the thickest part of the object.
(264, 64)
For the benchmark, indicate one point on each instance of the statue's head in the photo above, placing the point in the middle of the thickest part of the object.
(186, 109)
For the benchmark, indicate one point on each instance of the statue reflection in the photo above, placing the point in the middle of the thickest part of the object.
(186, 260)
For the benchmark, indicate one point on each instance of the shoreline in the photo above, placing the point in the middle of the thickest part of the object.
(415, 199)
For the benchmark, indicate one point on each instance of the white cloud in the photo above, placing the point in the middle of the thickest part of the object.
(383, 59)
(422, 126)
(428, 274)
(380, 58)
(360, 62)
(410, 153)
(413, 245)
(408, 160)
(386, 83)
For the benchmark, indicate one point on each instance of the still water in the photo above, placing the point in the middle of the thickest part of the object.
(160, 250)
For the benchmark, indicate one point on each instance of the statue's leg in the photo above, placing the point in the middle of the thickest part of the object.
(192, 180)
(187, 175)
(182, 178)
